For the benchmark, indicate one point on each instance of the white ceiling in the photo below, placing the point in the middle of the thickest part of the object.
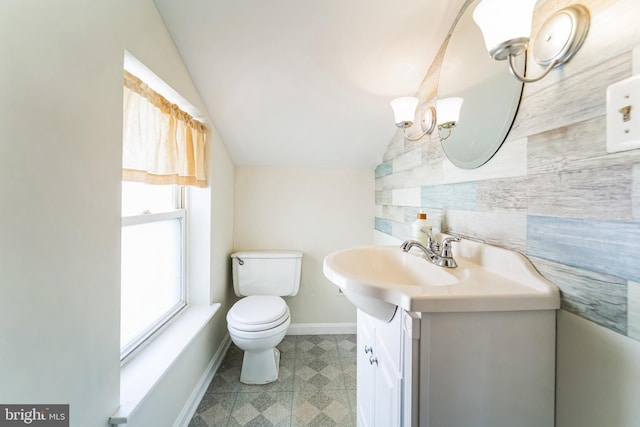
(306, 83)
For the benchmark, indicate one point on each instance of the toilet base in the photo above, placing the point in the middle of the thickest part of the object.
(260, 366)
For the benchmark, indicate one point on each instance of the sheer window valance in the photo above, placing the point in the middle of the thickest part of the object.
(161, 143)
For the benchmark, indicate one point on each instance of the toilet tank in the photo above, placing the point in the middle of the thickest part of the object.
(266, 272)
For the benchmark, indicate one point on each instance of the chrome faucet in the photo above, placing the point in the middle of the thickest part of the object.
(439, 253)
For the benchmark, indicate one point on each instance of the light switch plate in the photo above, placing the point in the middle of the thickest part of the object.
(623, 115)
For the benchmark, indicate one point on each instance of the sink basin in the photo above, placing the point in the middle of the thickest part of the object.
(388, 264)
(378, 279)
(361, 270)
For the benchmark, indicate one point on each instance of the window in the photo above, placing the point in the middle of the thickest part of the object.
(163, 151)
(153, 287)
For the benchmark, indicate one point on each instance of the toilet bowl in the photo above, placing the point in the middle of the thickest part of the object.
(257, 324)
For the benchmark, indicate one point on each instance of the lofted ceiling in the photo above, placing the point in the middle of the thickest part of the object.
(306, 83)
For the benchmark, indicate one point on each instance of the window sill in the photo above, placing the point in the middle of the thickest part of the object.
(144, 371)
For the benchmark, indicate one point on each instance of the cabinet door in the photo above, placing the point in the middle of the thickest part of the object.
(379, 364)
(388, 364)
(388, 389)
(365, 371)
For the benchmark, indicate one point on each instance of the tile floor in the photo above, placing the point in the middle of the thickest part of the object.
(316, 387)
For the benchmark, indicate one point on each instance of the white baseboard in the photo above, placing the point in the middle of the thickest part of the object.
(321, 329)
(189, 409)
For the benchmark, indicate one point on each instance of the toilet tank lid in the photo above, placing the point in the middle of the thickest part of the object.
(267, 254)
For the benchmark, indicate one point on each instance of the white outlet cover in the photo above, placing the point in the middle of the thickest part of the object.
(623, 135)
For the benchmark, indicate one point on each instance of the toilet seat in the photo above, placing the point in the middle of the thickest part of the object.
(258, 313)
(256, 338)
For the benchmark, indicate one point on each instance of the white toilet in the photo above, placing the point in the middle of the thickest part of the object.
(259, 321)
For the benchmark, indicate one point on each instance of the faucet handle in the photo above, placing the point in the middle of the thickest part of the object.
(446, 245)
(434, 245)
(448, 240)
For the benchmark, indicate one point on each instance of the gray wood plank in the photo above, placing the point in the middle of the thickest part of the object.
(587, 193)
(598, 297)
(575, 99)
(503, 195)
(608, 247)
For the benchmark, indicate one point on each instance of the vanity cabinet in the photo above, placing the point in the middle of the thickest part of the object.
(458, 369)
(472, 346)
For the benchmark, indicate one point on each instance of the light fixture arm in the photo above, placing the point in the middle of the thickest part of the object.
(444, 138)
(428, 124)
(404, 131)
(515, 73)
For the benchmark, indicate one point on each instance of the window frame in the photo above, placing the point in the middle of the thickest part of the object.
(179, 212)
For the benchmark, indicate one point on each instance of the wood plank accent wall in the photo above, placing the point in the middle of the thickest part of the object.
(552, 192)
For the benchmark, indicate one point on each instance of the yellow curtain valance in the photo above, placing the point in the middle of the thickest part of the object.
(161, 143)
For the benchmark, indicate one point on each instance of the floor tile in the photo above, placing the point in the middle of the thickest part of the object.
(262, 408)
(321, 408)
(320, 346)
(349, 371)
(197, 421)
(288, 347)
(353, 403)
(315, 387)
(318, 374)
(215, 408)
(346, 345)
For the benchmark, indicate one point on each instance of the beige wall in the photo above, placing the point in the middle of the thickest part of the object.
(598, 376)
(60, 161)
(316, 211)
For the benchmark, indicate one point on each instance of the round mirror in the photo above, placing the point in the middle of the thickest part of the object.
(490, 96)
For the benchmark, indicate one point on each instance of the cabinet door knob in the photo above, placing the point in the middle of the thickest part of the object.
(372, 360)
(368, 349)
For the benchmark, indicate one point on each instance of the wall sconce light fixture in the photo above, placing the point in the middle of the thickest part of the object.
(506, 28)
(448, 114)
(404, 111)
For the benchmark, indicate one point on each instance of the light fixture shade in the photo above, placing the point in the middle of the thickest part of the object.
(404, 110)
(504, 20)
(448, 111)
